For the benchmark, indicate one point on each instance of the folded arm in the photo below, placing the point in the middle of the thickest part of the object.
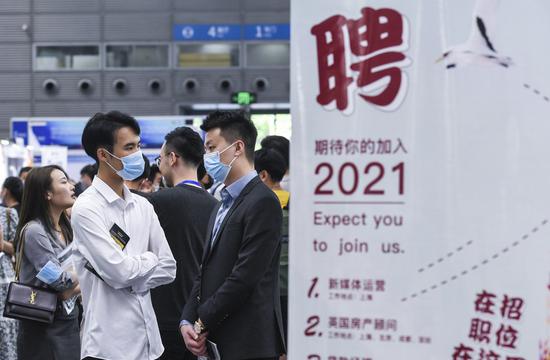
(165, 271)
(116, 268)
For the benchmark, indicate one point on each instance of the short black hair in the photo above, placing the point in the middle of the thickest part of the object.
(233, 125)
(24, 170)
(153, 171)
(187, 143)
(90, 170)
(100, 131)
(279, 143)
(271, 161)
(15, 187)
(201, 171)
(146, 170)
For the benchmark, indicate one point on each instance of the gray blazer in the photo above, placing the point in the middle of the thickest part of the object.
(59, 340)
(39, 248)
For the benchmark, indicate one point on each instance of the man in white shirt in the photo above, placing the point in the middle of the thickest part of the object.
(120, 248)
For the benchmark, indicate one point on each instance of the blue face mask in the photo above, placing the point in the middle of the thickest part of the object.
(49, 273)
(214, 166)
(132, 165)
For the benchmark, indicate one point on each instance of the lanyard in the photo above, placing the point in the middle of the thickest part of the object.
(191, 182)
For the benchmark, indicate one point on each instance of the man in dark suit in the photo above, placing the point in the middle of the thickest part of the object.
(235, 300)
(183, 210)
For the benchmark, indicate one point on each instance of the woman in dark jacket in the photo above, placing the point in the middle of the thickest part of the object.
(44, 232)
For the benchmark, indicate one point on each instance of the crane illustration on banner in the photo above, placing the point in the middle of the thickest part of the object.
(479, 48)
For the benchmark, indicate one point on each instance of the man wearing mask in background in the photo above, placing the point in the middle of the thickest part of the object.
(120, 249)
(235, 299)
(183, 209)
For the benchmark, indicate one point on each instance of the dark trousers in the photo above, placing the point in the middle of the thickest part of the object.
(174, 346)
(56, 341)
(284, 313)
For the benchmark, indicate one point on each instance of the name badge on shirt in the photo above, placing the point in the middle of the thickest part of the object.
(119, 236)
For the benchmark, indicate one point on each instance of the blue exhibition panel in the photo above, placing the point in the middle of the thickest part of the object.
(20, 129)
(68, 131)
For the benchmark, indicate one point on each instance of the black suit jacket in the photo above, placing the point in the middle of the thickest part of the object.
(237, 292)
(183, 212)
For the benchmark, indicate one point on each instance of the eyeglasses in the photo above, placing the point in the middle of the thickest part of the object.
(159, 158)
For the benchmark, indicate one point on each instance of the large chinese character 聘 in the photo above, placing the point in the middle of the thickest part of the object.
(374, 32)
(331, 62)
(373, 72)
(375, 42)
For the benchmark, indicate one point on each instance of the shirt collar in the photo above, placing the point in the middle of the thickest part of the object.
(237, 187)
(109, 194)
(192, 183)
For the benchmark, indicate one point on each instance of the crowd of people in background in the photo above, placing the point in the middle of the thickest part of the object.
(175, 258)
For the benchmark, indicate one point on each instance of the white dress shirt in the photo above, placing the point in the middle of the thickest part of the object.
(119, 320)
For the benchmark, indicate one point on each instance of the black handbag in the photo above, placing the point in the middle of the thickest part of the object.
(27, 302)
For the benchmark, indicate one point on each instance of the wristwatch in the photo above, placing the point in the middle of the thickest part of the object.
(199, 327)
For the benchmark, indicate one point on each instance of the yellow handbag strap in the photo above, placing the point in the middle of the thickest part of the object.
(19, 252)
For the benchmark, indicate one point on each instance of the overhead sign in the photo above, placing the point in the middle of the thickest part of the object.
(231, 32)
(267, 32)
(206, 32)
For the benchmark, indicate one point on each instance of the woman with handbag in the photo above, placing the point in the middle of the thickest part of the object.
(44, 232)
(8, 327)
